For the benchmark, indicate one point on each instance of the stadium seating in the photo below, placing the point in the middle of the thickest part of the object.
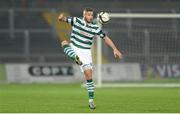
(129, 38)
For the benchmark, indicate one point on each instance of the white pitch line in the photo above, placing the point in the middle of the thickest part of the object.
(136, 85)
(142, 85)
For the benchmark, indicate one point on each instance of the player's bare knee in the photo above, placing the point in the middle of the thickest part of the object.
(88, 74)
(65, 42)
(87, 66)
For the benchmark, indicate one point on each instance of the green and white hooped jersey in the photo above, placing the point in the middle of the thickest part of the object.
(82, 34)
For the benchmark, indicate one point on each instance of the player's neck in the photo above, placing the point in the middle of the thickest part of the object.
(86, 21)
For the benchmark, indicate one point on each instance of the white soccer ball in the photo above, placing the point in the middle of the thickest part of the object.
(103, 17)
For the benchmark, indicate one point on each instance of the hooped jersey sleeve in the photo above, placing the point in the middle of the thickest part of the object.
(101, 34)
(71, 20)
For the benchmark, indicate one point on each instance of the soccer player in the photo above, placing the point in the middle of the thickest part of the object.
(79, 47)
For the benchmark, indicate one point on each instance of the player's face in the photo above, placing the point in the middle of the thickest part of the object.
(88, 16)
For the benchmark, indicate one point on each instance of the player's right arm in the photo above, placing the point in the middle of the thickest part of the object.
(62, 17)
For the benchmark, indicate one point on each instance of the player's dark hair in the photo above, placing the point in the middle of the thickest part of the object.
(88, 9)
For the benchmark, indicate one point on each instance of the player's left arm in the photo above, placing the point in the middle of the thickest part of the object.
(109, 42)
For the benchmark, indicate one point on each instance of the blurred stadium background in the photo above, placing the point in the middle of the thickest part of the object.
(30, 33)
(30, 51)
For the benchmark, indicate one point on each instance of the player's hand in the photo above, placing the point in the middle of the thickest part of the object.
(117, 54)
(62, 17)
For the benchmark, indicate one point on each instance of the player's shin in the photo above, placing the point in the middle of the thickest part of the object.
(89, 82)
(90, 89)
(69, 51)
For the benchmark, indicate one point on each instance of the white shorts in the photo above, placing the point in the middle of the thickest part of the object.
(85, 56)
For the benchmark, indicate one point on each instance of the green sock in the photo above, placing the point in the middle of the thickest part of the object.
(69, 51)
(90, 88)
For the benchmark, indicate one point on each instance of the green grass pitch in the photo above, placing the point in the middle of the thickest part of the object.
(73, 98)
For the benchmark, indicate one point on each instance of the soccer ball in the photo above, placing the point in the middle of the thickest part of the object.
(103, 17)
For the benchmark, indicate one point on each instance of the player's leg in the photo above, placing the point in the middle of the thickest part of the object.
(70, 52)
(90, 87)
(86, 68)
